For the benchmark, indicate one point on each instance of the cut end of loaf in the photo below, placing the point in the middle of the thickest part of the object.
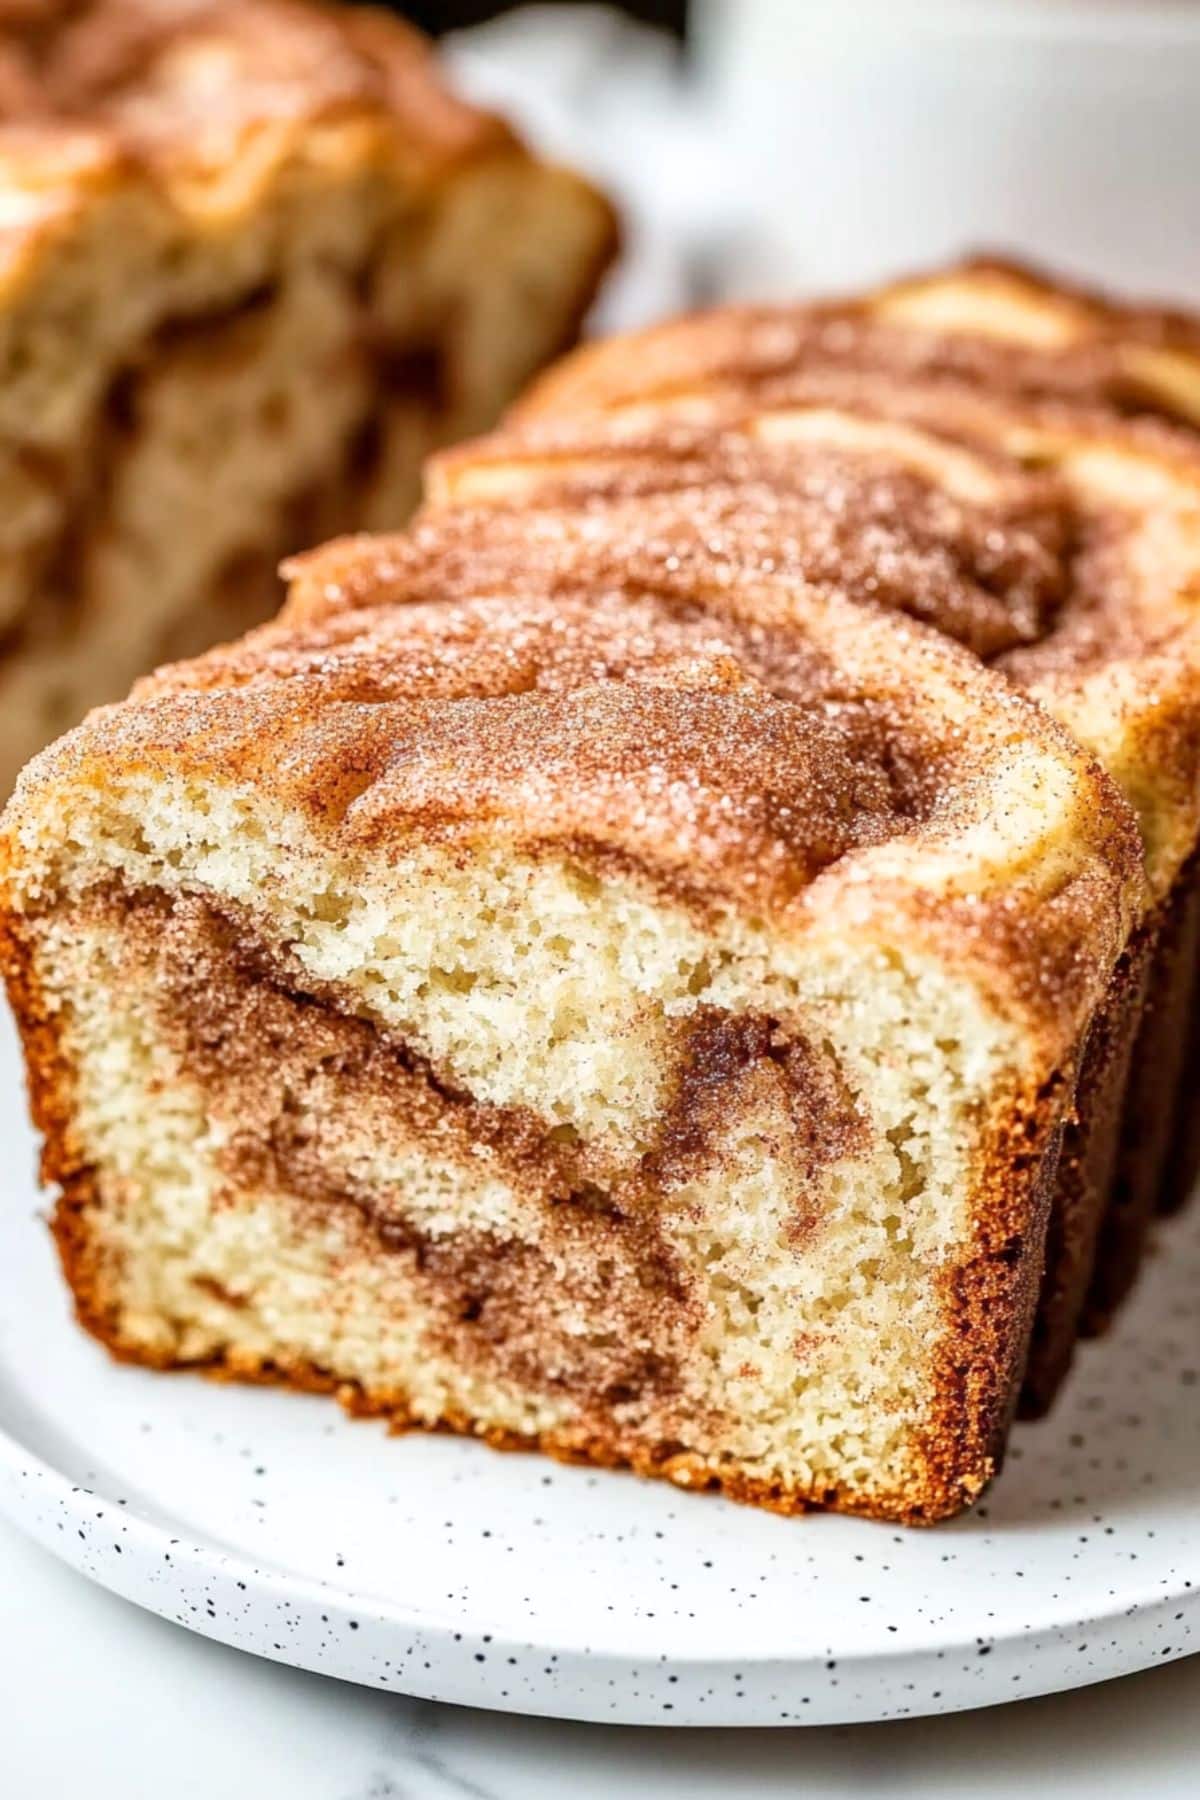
(743, 1274)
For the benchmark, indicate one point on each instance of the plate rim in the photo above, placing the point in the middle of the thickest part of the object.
(462, 1637)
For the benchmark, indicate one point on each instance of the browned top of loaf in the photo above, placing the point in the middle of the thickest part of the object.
(919, 499)
(988, 325)
(169, 80)
(985, 558)
(737, 752)
(958, 447)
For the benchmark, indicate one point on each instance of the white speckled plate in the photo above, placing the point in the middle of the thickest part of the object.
(439, 1568)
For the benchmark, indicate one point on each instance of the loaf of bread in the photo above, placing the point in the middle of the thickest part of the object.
(255, 261)
(596, 998)
(684, 957)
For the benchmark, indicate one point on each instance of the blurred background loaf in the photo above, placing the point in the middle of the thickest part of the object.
(255, 261)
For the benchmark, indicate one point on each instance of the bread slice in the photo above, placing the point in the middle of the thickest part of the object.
(256, 261)
(634, 1023)
(961, 446)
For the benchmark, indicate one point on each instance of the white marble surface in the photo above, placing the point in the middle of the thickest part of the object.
(97, 1697)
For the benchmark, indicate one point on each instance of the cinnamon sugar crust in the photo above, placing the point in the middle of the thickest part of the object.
(1086, 596)
(984, 326)
(986, 561)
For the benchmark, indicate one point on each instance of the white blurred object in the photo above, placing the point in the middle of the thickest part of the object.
(868, 138)
(594, 90)
(820, 146)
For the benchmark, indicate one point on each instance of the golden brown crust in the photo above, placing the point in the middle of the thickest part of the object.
(1158, 1096)
(1086, 1170)
(993, 1299)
